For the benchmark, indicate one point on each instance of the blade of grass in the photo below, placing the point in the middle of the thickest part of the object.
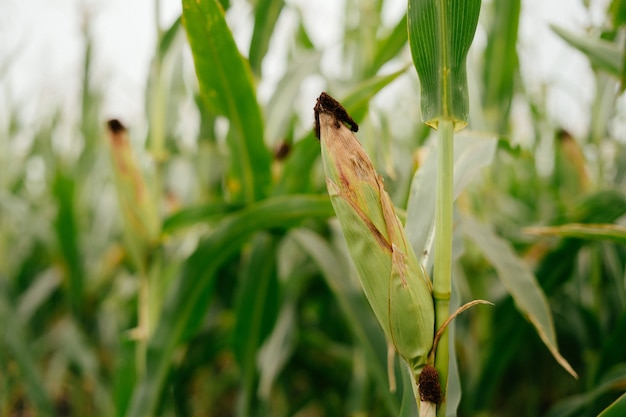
(227, 89)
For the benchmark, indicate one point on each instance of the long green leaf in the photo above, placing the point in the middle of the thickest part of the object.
(357, 100)
(440, 34)
(606, 55)
(501, 64)
(227, 88)
(519, 282)
(389, 47)
(67, 231)
(265, 17)
(191, 294)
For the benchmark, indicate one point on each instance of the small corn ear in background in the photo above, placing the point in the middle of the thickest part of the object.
(137, 204)
(394, 283)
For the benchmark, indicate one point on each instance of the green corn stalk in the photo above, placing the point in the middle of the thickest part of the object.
(440, 34)
(396, 286)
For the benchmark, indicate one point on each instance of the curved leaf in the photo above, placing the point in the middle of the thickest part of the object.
(440, 34)
(227, 88)
(519, 282)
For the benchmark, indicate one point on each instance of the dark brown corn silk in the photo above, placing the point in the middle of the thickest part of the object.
(327, 104)
(428, 385)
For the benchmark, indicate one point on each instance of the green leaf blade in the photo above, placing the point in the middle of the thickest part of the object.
(227, 88)
(606, 55)
(440, 34)
(520, 283)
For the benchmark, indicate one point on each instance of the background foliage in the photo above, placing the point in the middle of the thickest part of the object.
(149, 274)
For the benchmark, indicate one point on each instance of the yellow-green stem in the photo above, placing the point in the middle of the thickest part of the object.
(143, 324)
(443, 248)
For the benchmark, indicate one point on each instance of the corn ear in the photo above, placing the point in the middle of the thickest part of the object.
(397, 288)
(136, 201)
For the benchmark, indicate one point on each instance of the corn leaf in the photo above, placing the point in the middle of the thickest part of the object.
(354, 306)
(606, 55)
(388, 47)
(190, 296)
(14, 341)
(440, 34)
(227, 89)
(607, 232)
(265, 18)
(501, 64)
(616, 409)
(519, 282)
(358, 99)
(67, 232)
(256, 311)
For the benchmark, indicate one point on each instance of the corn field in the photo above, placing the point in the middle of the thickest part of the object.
(226, 259)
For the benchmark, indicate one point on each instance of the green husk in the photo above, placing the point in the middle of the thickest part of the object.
(394, 283)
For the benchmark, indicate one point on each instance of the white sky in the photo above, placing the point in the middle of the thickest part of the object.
(41, 46)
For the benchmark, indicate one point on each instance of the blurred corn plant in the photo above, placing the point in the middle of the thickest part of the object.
(199, 270)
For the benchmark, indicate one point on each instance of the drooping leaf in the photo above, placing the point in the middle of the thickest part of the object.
(440, 34)
(227, 88)
(519, 282)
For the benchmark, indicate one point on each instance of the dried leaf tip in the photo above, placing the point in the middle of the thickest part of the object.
(327, 104)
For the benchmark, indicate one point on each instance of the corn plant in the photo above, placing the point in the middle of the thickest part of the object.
(211, 262)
